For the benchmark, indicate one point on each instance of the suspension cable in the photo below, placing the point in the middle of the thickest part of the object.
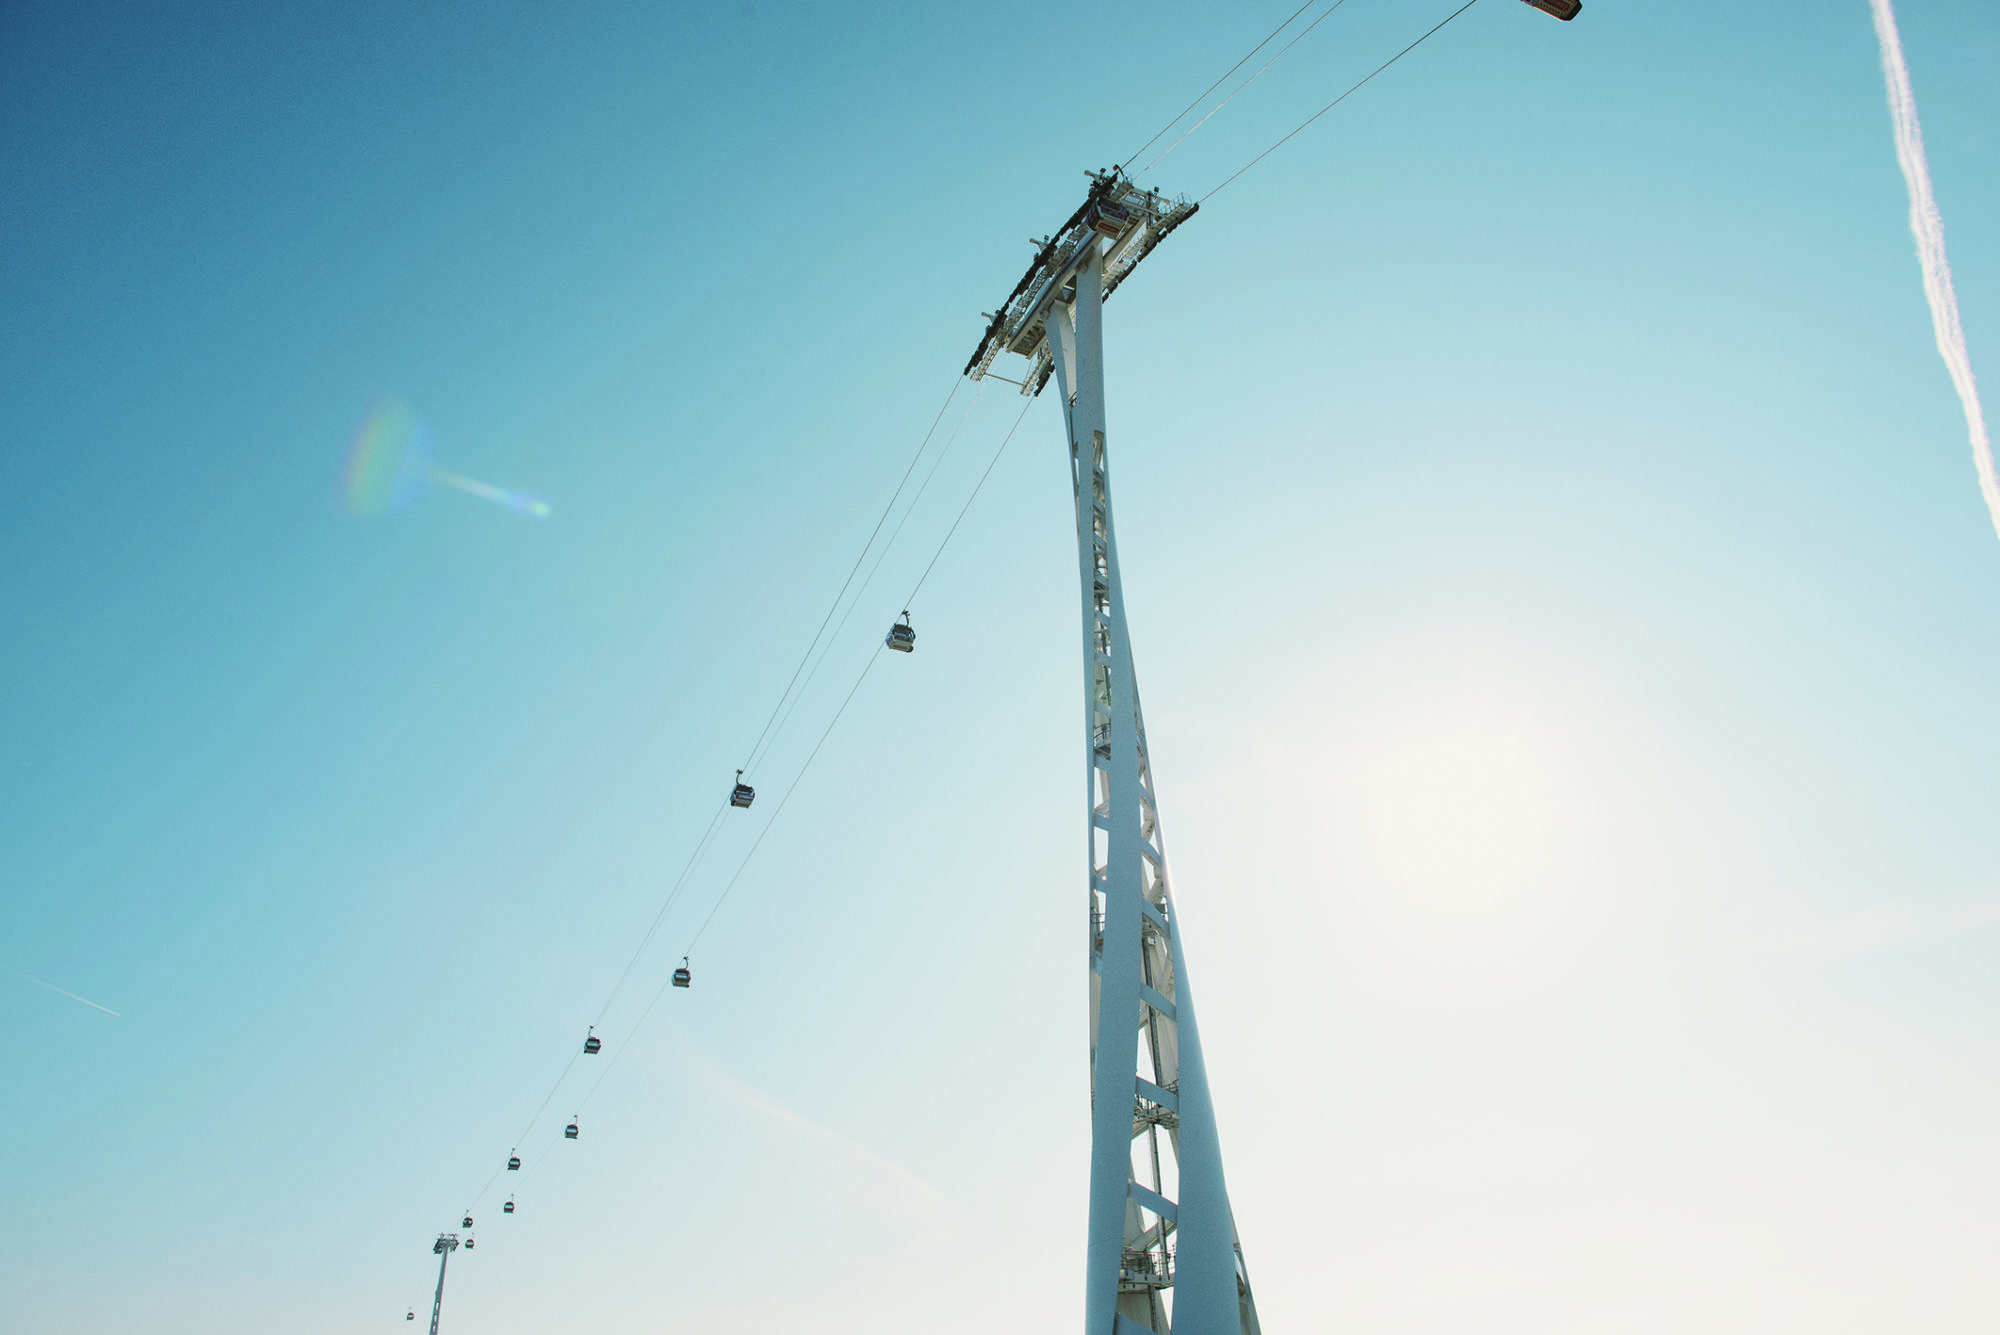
(865, 670)
(1241, 86)
(707, 840)
(1337, 101)
(701, 849)
(674, 893)
(881, 555)
(968, 502)
(1218, 83)
(766, 732)
(907, 513)
(543, 1157)
(625, 1044)
(483, 1190)
(522, 1138)
(859, 558)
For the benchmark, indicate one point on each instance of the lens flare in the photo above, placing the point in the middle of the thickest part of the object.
(390, 460)
(390, 464)
(520, 502)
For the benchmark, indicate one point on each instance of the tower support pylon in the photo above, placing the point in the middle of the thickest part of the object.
(1162, 1254)
(446, 1244)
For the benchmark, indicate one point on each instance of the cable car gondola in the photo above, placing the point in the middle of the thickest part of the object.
(412, 1316)
(1562, 9)
(508, 1208)
(1108, 219)
(593, 1044)
(743, 794)
(683, 977)
(900, 637)
(569, 1132)
(468, 1244)
(467, 1223)
(513, 1163)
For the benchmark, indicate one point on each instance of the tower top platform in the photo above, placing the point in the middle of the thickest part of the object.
(1117, 215)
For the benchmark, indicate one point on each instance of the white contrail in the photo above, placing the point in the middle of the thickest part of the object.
(71, 995)
(1928, 228)
(711, 1073)
(771, 1108)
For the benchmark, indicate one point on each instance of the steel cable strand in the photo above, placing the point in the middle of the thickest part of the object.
(522, 1138)
(899, 528)
(909, 601)
(547, 1150)
(862, 556)
(1241, 86)
(782, 803)
(1218, 83)
(796, 780)
(483, 1190)
(1337, 101)
(923, 578)
(625, 1044)
(673, 894)
(550, 1096)
(693, 862)
(904, 520)
(868, 582)
(707, 840)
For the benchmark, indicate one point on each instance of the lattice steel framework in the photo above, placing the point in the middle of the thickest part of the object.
(446, 1244)
(1163, 1252)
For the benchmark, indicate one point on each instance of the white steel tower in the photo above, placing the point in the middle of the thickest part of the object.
(446, 1244)
(1163, 1252)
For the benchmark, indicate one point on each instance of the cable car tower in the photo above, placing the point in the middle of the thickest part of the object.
(446, 1244)
(1163, 1252)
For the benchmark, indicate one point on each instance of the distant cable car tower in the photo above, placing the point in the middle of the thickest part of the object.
(446, 1244)
(1162, 1241)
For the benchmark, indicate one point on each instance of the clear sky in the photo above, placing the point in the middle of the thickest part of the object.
(1567, 615)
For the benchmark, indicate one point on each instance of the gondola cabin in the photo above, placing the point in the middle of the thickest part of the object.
(593, 1044)
(1108, 219)
(467, 1223)
(513, 1163)
(1562, 9)
(743, 794)
(683, 977)
(508, 1208)
(468, 1244)
(900, 637)
(569, 1132)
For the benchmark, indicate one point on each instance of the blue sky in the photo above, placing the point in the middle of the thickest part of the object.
(1566, 613)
